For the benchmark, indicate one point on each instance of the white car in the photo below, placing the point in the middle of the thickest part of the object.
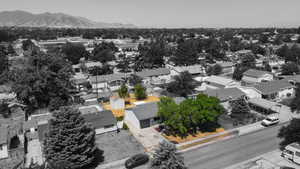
(270, 121)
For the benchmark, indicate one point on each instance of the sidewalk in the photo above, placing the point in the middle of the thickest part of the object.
(271, 160)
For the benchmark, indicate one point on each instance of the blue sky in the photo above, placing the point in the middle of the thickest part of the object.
(172, 13)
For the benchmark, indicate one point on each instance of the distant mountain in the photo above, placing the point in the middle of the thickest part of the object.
(60, 20)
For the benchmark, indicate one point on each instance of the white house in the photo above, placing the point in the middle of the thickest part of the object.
(194, 70)
(155, 76)
(142, 116)
(3, 142)
(253, 76)
(273, 90)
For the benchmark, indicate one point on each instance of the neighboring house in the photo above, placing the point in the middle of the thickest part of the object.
(103, 121)
(273, 90)
(294, 79)
(194, 70)
(3, 142)
(143, 115)
(79, 84)
(227, 67)
(253, 76)
(155, 76)
(226, 94)
(218, 82)
(264, 106)
(111, 82)
(78, 68)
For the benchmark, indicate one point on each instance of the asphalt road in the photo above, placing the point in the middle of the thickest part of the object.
(232, 151)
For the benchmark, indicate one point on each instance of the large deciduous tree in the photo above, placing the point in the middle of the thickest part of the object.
(186, 53)
(70, 142)
(167, 157)
(104, 52)
(182, 85)
(240, 108)
(190, 115)
(42, 79)
(290, 133)
(214, 70)
(289, 68)
(74, 52)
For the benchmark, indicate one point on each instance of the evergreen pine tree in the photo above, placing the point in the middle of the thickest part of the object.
(70, 143)
(166, 157)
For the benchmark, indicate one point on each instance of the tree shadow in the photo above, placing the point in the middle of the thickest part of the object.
(99, 158)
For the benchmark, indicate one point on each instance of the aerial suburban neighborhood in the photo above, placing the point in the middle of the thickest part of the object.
(79, 94)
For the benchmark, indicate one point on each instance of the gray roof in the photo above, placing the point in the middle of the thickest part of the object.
(272, 86)
(153, 72)
(178, 100)
(225, 94)
(3, 135)
(146, 111)
(107, 78)
(100, 119)
(255, 73)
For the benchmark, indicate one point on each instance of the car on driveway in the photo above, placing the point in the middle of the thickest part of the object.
(136, 161)
(270, 121)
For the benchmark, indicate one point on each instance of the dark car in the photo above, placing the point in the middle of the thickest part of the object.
(136, 160)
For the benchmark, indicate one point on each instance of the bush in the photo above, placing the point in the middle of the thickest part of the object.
(140, 92)
(125, 127)
(121, 118)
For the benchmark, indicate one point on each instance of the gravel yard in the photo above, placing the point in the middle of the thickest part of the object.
(117, 146)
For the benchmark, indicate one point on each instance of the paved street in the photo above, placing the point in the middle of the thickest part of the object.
(232, 151)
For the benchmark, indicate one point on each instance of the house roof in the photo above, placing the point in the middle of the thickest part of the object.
(178, 100)
(153, 72)
(100, 119)
(193, 69)
(255, 73)
(225, 94)
(272, 86)
(107, 78)
(219, 80)
(265, 104)
(3, 135)
(146, 111)
(295, 78)
(225, 64)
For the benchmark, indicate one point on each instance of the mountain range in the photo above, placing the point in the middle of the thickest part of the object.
(57, 20)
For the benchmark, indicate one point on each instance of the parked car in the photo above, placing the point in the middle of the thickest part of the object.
(270, 121)
(136, 160)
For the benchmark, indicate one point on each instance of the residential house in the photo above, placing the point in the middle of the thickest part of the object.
(227, 67)
(225, 95)
(253, 76)
(264, 106)
(143, 115)
(218, 82)
(273, 90)
(155, 76)
(3, 142)
(111, 82)
(194, 70)
(103, 121)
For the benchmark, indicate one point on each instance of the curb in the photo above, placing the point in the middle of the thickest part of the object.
(117, 163)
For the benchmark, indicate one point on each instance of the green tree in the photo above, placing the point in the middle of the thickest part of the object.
(290, 133)
(240, 109)
(4, 109)
(182, 85)
(186, 53)
(289, 69)
(41, 79)
(3, 61)
(124, 65)
(104, 52)
(27, 44)
(167, 157)
(123, 91)
(214, 70)
(70, 141)
(74, 52)
(140, 92)
(190, 115)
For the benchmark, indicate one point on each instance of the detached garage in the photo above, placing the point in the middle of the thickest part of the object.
(143, 116)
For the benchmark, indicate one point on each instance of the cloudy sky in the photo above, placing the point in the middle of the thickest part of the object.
(172, 13)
